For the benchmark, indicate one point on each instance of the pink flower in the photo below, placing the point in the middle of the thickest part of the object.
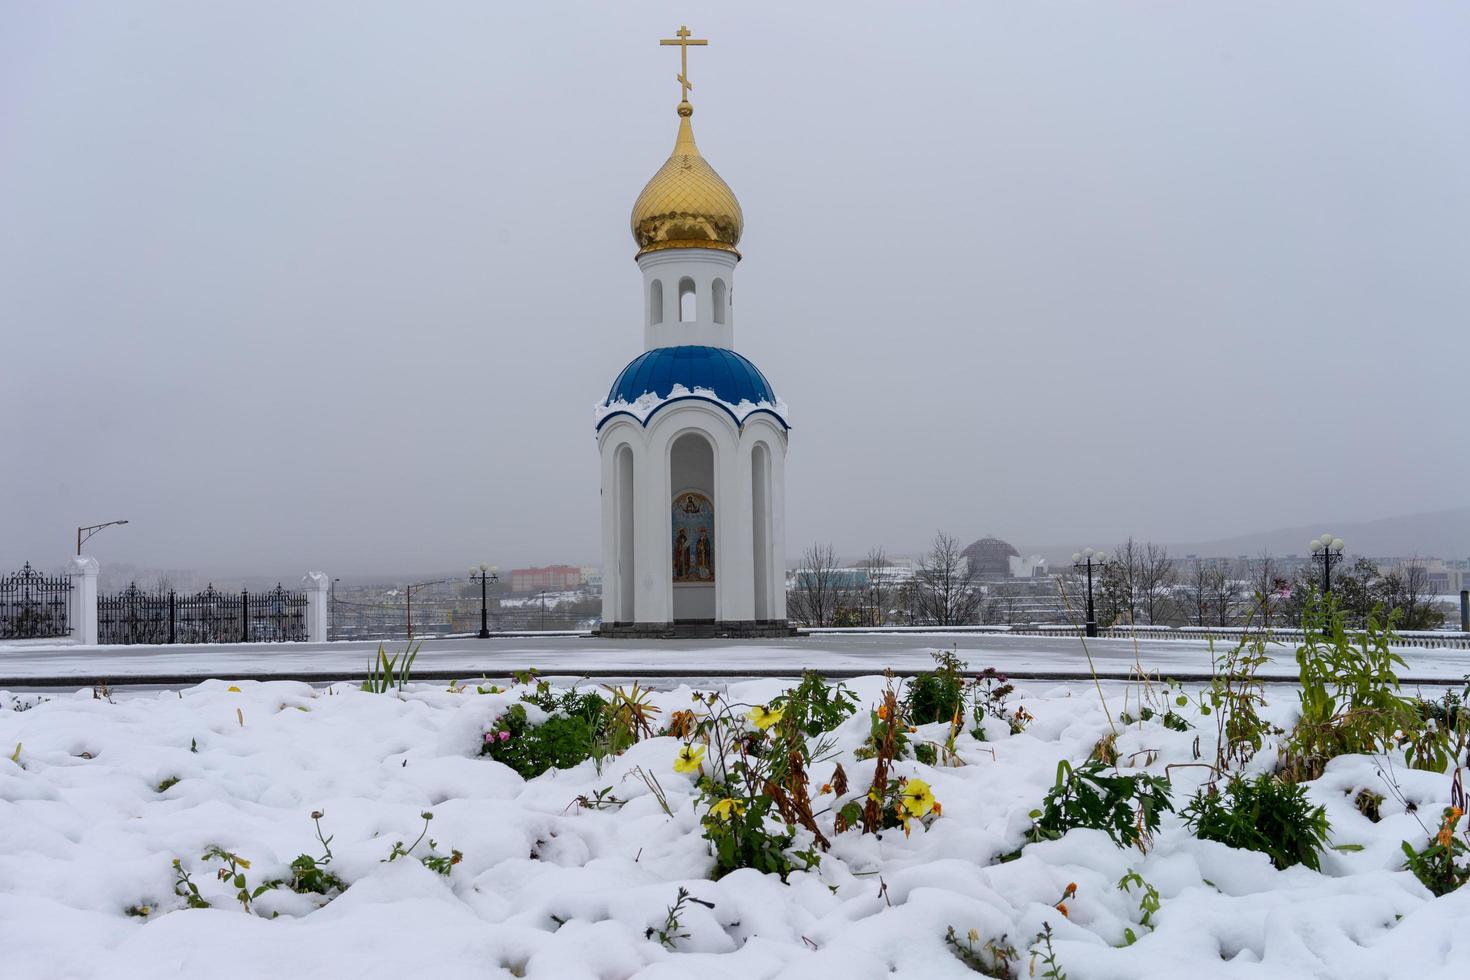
(505, 736)
(489, 736)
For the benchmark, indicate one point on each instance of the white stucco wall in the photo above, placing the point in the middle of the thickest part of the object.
(703, 266)
(659, 472)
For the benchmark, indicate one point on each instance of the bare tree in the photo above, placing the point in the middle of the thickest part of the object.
(1156, 579)
(1406, 590)
(1121, 582)
(1197, 592)
(878, 587)
(817, 594)
(946, 593)
(1266, 588)
(1225, 595)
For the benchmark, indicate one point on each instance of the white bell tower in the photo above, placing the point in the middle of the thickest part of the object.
(692, 436)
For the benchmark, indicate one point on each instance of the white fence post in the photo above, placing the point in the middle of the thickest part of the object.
(83, 612)
(316, 585)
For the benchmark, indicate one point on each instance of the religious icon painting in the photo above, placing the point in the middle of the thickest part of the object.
(694, 538)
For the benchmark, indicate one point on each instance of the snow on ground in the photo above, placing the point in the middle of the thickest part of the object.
(573, 654)
(548, 889)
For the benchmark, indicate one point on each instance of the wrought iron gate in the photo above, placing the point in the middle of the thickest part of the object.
(136, 616)
(33, 605)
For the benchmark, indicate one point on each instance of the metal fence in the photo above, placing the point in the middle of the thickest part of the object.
(136, 616)
(34, 606)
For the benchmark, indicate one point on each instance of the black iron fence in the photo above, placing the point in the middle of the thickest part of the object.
(34, 606)
(136, 616)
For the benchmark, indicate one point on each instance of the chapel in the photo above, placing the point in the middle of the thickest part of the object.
(691, 434)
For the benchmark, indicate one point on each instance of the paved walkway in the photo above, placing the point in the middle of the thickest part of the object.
(838, 655)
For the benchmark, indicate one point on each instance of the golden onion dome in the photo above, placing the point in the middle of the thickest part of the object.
(686, 204)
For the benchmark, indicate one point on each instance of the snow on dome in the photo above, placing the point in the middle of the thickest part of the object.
(657, 377)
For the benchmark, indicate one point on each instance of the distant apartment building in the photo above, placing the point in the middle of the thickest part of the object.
(1436, 575)
(552, 578)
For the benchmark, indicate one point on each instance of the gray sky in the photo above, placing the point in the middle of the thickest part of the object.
(337, 285)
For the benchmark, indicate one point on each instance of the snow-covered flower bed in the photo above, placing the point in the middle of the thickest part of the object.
(580, 872)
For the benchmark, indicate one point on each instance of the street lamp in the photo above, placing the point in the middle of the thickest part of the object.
(485, 573)
(410, 591)
(83, 533)
(1084, 560)
(1326, 551)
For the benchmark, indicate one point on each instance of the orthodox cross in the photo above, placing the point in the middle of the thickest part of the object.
(683, 40)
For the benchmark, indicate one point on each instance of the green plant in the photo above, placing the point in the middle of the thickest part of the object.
(440, 863)
(1266, 814)
(668, 934)
(754, 788)
(741, 837)
(140, 911)
(989, 693)
(938, 695)
(1126, 808)
(1436, 865)
(309, 874)
(601, 799)
(232, 870)
(993, 958)
(816, 707)
(389, 674)
(1235, 697)
(562, 741)
(185, 888)
(1349, 697)
(1041, 949)
(163, 786)
(629, 716)
(1148, 903)
(1170, 719)
(927, 753)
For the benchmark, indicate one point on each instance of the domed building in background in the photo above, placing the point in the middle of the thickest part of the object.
(990, 558)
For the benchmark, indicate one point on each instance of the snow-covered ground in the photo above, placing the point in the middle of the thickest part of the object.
(470, 657)
(550, 889)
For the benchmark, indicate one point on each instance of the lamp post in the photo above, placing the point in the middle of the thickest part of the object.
(410, 591)
(485, 573)
(83, 533)
(1083, 561)
(1326, 551)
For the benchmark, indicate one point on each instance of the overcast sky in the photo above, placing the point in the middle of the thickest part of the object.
(336, 285)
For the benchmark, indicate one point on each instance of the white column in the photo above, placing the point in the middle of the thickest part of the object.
(83, 612)
(608, 456)
(317, 587)
(735, 547)
(778, 529)
(652, 562)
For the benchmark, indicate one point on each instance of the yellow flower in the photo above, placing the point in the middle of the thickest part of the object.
(917, 797)
(727, 809)
(689, 759)
(233, 689)
(762, 717)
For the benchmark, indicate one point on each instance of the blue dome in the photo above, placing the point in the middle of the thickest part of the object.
(731, 377)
